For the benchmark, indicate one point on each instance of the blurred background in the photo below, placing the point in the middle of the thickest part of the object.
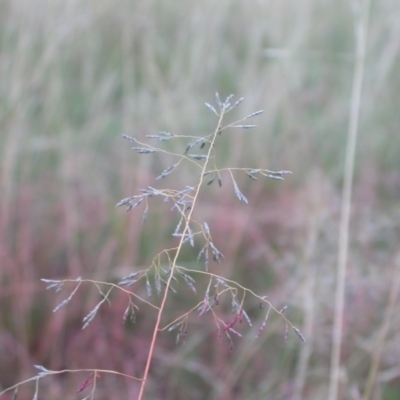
(77, 75)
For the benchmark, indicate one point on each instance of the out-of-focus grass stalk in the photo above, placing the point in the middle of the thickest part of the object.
(361, 29)
(380, 342)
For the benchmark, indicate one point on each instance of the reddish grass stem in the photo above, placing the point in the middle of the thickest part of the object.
(173, 266)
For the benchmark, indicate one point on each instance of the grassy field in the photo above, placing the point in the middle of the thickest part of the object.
(77, 75)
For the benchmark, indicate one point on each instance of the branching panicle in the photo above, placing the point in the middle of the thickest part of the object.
(200, 154)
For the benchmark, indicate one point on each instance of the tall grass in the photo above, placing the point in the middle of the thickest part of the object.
(75, 75)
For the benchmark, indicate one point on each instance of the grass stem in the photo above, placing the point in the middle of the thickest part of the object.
(361, 36)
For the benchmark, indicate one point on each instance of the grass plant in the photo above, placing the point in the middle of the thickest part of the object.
(75, 75)
(165, 270)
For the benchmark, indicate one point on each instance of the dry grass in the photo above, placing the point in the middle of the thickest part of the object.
(75, 75)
